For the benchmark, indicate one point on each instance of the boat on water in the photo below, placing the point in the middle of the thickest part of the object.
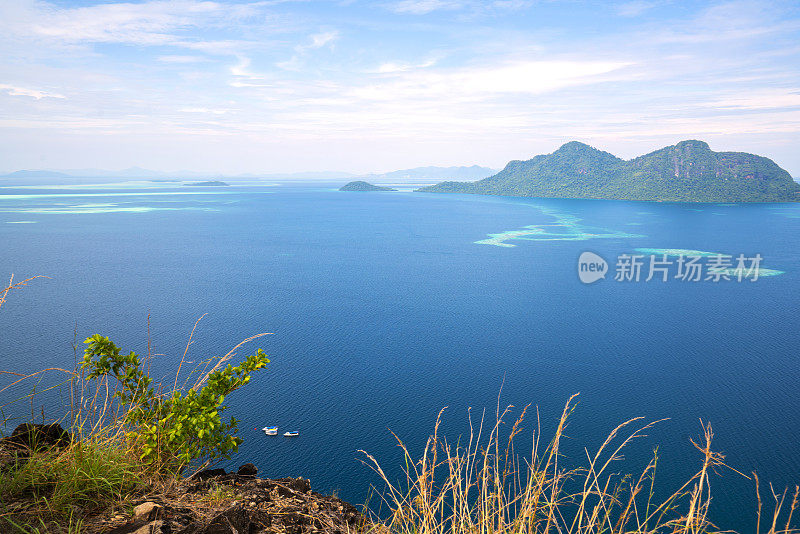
(270, 430)
(292, 434)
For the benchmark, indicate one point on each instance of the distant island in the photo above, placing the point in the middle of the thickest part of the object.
(686, 172)
(432, 174)
(210, 183)
(35, 174)
(359, 185)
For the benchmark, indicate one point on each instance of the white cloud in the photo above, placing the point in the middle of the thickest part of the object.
(149, 23)
(391, 67)
(634, 8)
(237, 83)
(771, 99)
(530, 77)
(511, 5)
(422, 7)
(205, 110)
(318, 40)
(33, 93)
(240, 69)
(729, 21)
(181, 59)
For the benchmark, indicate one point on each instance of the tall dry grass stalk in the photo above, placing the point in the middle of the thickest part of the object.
(11, 285)
(101, 467)
(482, 487)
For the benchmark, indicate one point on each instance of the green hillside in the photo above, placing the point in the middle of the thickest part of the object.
(360, 185)
(689, 171)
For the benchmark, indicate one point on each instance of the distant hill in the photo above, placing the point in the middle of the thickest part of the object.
(322, 176)
(686, 172)
(209, 183)
(359, 185)
(129, 173)
(79, 176)
(433, 174)
(35, 174)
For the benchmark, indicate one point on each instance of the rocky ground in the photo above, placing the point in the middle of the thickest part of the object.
(210, 502)
(215, 502)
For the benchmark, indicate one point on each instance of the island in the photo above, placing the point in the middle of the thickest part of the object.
(359, 185)
(210, 183)
(686, 172)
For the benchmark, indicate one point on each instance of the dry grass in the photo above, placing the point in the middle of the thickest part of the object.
(483, 488)
(100, 471)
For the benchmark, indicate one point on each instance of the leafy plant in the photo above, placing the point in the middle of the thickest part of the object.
(176, 428)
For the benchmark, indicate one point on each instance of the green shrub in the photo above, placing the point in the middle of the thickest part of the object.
(176, 428)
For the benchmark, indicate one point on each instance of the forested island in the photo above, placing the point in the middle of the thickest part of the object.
(360, 185)
(686, 172)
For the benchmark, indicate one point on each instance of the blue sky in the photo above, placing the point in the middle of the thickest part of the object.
(281, 86)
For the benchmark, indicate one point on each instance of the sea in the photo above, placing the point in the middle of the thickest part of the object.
(383, 308)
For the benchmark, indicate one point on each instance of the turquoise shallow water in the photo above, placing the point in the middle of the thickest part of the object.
(388, 306)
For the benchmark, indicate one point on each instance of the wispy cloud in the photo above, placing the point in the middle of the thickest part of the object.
(737, 20)
(634, 8)
(422, 7)
(149, 23)
(315, 41)
(205, 111)
(33, 93)
(318, 40)
(475, 83)
(242, 69)
(771, 99)
(393, 67)
(181, 59)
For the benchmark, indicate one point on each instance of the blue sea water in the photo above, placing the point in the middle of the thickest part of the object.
(385, 307)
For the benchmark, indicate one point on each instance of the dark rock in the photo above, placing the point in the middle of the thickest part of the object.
(232, 521)
(247, 470)
(37, 437)
(300, 485)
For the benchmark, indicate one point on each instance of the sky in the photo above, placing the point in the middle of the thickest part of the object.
(372, 86)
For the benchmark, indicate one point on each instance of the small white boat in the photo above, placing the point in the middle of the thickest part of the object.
(292, 434)
(270, 430)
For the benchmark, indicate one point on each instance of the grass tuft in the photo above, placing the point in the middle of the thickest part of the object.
(482, 487)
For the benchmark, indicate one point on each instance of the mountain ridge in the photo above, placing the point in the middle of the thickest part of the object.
(688, 171)
(463, 172)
